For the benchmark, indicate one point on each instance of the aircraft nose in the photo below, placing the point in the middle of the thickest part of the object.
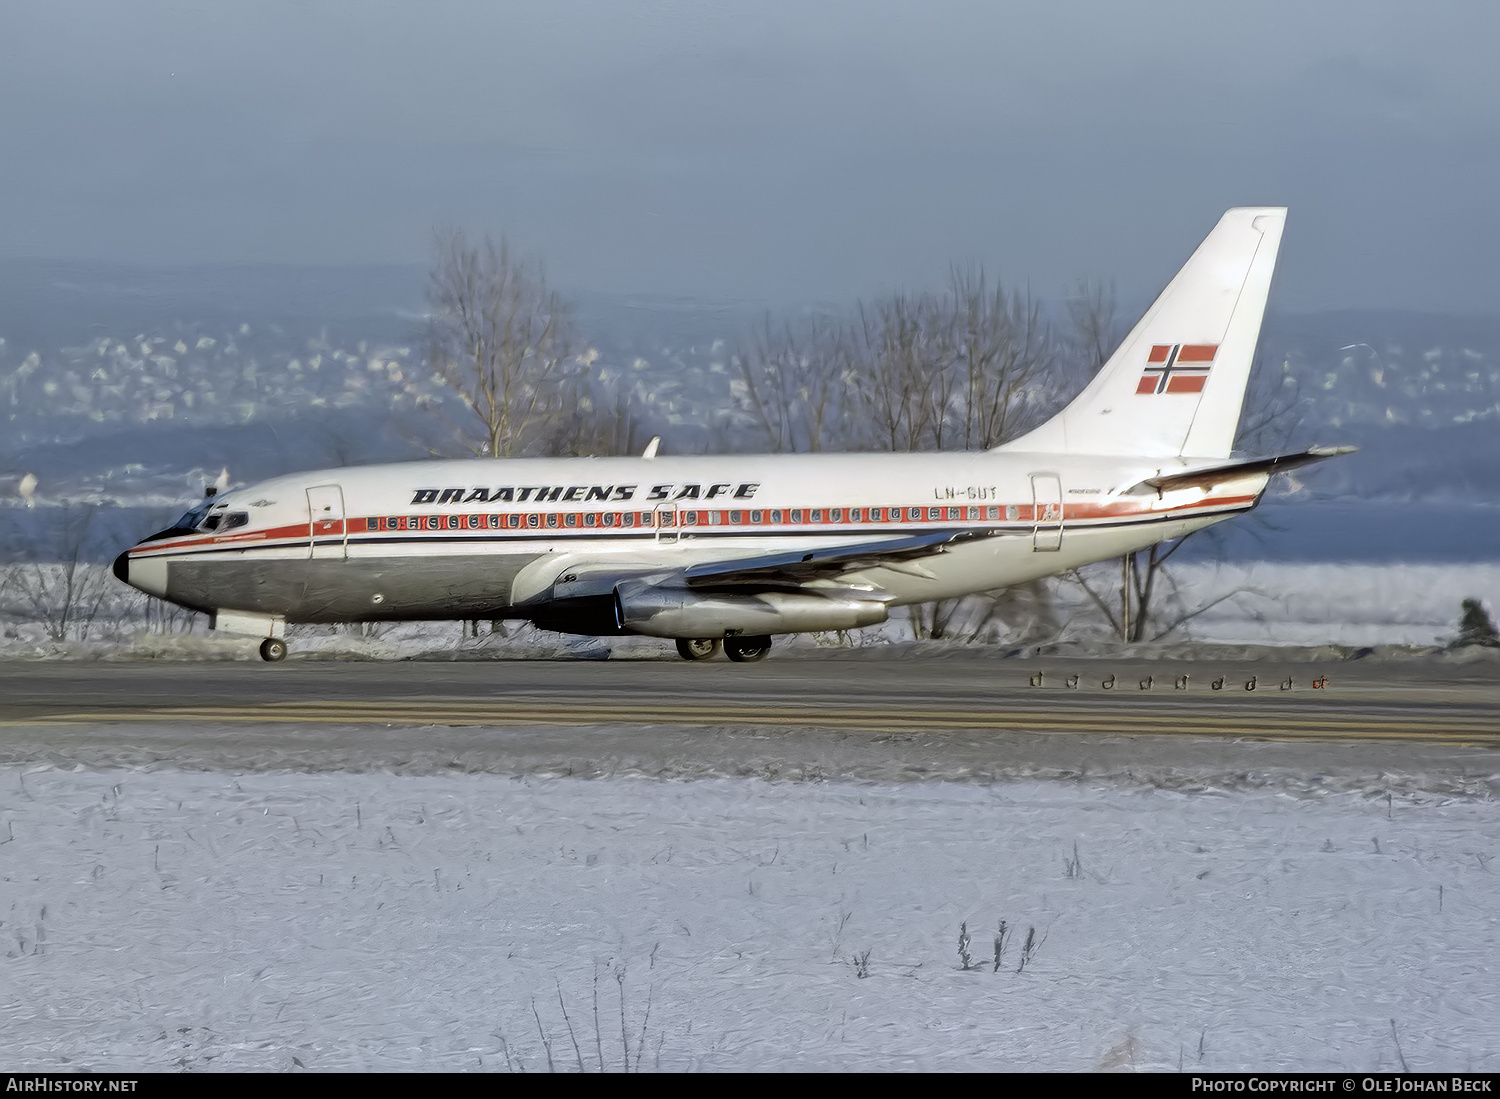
(147, 574)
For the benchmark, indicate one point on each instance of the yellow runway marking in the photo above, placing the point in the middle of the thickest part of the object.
(1162, 719)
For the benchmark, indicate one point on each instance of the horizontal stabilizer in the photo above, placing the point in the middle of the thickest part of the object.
(1208, 476)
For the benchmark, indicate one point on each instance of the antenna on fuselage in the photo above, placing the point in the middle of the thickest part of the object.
(650, 451)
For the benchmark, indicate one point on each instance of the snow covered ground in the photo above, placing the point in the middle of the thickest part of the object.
(152, 919)
(161, 919)
(1304, 603)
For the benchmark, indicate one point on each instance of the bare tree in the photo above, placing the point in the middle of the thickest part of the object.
(167, 618)
(500, 337)
(606, 424)
(902, 358)
(1006, 354)
(1096, 328)
(59, 587)
(797, 384)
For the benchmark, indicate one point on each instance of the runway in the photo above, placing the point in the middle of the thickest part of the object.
(957, 715)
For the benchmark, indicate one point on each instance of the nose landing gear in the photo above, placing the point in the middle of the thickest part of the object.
(273, 649)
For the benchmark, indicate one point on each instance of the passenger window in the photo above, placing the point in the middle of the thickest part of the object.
(572, 519)
(836, 515)
(552, 518)
(755, 517)
(797, 515)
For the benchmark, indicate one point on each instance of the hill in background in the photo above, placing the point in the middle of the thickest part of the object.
(136, 387)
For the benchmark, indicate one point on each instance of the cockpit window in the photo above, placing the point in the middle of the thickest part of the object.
(194, 518)
(211, 516)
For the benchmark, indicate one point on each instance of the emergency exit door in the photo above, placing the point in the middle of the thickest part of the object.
(327, 540)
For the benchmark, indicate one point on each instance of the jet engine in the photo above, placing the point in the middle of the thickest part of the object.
(673, 611)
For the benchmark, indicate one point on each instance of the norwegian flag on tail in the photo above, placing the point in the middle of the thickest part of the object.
(1177, 368)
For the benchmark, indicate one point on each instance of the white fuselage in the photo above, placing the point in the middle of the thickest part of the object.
(519, 538)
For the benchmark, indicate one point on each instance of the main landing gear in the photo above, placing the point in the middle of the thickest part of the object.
(697, 648)
(273, 649)
(742, 650)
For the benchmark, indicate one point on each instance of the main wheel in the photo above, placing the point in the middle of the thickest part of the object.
(697, 648)
(273, 649)
(744, 650)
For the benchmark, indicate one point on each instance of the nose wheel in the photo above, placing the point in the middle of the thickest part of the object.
(273, 649)
(746, 650)
(697, 648)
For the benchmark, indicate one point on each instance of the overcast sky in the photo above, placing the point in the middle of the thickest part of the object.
(776, 152)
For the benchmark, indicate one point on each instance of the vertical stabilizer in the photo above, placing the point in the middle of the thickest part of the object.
(1175, 385)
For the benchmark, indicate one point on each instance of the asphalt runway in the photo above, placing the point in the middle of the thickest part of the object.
(795, 715)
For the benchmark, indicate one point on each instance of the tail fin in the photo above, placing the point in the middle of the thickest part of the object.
(1175, 386)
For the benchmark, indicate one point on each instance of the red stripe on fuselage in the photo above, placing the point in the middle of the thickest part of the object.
(297, 534)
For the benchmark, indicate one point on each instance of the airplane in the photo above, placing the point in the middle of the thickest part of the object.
(730, 550)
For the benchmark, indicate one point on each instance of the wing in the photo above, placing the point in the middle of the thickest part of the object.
(769, 572)
(761, 594)
(792, 569)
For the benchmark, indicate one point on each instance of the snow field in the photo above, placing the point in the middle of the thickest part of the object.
(166, 919)
(1314, 604)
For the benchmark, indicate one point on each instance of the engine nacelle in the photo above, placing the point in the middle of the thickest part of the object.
(662, 611)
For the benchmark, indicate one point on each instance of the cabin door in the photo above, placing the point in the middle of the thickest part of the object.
(327, 540)
(1046, 512)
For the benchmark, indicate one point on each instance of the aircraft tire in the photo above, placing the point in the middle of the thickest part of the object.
(747, 650)
(697, 648)
(273, 649)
